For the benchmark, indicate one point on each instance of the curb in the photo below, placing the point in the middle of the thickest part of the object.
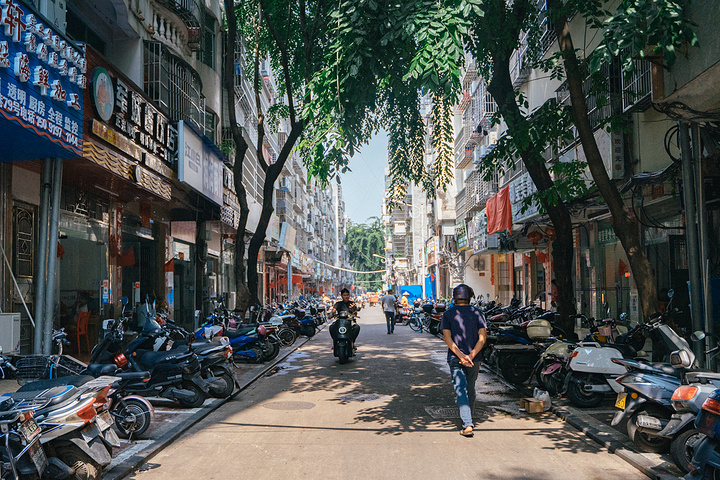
(614, 441)
(131, 464)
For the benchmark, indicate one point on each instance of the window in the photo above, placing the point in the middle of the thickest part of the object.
(207, 55)
(173, 85)
(210, 125)
(78, 30)
(24, 220)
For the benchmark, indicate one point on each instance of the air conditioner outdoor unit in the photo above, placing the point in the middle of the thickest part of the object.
(9, 332)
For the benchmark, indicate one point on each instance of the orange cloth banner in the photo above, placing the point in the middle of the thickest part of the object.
(499, 211)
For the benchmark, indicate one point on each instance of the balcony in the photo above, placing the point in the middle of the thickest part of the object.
(190, 13)
(461, 204)
(519, 68)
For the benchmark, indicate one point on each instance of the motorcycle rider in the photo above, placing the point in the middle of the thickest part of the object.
(344, 305)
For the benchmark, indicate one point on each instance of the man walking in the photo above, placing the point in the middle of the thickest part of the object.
(388, 303)
(464, 331)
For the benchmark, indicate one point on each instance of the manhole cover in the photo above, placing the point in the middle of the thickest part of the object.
(439, 413)
(289, 405)
(363, 397)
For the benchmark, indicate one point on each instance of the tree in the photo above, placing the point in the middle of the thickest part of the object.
(293, 36)
(626, 34)
(240, 147)
(366, 245)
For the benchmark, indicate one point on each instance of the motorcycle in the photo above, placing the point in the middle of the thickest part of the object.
(343, 343)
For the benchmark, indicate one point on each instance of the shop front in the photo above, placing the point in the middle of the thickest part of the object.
(41, 111)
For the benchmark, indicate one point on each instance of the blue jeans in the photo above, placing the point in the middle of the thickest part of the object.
(390, 320)
(463, 379)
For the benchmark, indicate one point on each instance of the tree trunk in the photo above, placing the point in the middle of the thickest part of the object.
(241, 146)
(272, 174)
(501, 88)
(625, 226)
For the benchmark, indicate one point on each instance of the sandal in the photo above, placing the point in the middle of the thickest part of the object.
(467, 432)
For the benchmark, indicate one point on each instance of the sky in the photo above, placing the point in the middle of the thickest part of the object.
(364, 186)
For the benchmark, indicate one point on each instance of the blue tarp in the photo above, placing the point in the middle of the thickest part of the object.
(415, 291)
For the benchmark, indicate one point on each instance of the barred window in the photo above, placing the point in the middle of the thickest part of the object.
(173, 85)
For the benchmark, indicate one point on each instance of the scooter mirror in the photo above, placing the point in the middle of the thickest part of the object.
(125, 300)
(680, 358)
(670, 293)
(697, 336)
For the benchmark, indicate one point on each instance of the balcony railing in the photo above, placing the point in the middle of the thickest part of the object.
(637, 86)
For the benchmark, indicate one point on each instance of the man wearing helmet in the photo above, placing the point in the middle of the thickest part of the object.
(344, 305)
(464, 331)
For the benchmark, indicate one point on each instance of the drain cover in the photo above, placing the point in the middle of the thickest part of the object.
(289, 405)
(363, 397)
(439, 413)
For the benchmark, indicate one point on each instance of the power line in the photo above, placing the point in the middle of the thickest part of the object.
(349, 270)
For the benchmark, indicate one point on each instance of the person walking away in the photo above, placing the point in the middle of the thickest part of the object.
(464, 331)
(388, 303)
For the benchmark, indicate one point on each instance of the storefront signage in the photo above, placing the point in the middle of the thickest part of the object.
(106, 291)
(287, 236)
(42, 77)
(137, 119)
(198, 165)
(461, 237)
(606, 236)
(432, 247)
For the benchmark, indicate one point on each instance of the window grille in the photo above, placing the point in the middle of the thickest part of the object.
(173, 85)
(24, 228)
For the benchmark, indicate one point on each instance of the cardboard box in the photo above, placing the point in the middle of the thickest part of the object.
(531, 405)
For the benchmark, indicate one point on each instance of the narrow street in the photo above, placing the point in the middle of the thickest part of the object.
(389, 412)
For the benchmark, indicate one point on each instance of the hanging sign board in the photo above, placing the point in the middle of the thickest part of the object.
(199, 165)
(42, 78)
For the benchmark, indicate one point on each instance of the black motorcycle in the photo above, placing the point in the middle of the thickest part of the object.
(342, 331)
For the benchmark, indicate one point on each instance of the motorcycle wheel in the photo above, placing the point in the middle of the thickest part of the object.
(287, 336)
(132, 418)
(343, 355)
(257, 350)
(683, 446)
(644, 441)
(581, 398)
(271, 349)
(516, 369)
(434, 328)
(225, 377)
(83, 467)
(198, 398)
(308, 330)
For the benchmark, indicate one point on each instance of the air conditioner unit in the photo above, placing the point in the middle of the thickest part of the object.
(9, 332)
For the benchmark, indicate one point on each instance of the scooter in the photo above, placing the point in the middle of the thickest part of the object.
(343, 343)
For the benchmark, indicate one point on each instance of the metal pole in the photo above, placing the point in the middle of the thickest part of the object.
(704, 236)
(41, 270)
(691, 236)
(289, 265)
(52, 257)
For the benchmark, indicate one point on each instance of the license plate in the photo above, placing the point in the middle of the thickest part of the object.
(620, 402)
(29, 430)
(104, 420)
(39, 459)
(90, 432)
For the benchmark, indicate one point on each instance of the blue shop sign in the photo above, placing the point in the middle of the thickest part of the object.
(42, 78)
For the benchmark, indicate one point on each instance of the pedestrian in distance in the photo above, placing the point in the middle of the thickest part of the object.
(388, 303)
(464, 331)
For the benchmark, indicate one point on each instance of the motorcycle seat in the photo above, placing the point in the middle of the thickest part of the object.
(152, 358)
(239, 331)
(55, 395)
(133, 375)
(626, 350)
(40, 385)
(97, 369)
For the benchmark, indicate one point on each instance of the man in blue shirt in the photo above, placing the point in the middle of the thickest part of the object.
(464, 331)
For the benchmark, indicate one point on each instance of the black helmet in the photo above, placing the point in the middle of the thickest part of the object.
(463, 292)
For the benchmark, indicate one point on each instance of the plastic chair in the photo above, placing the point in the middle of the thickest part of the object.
(82, 329)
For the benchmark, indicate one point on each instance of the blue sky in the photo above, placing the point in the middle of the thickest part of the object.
(364, 187)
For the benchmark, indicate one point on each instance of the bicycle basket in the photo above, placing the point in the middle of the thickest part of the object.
(32, 367)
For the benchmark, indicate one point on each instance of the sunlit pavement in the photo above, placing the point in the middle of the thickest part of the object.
(388, 413)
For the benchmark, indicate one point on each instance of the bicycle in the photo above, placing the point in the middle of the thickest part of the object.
(415, 323)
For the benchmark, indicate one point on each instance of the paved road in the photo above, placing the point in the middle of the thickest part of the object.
(389, 413)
